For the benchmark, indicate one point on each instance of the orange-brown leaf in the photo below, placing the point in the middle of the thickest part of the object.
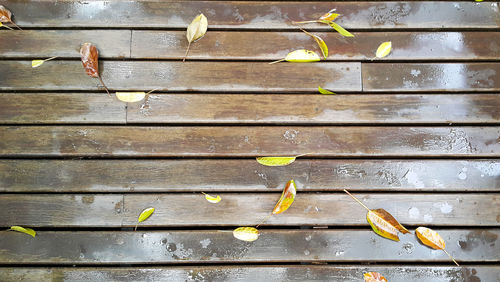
(374, 277)
(381, 226)
(330, 16)
(391, 220)
(5, 15)
(287, 198)
(90, 56)
(430, 238)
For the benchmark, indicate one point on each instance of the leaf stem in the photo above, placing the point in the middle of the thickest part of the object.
(265, 219)
(15, 25)
(303, 22)
(451, 257)
(135, 229)
(102, 82)
(356, 199)
(8, 27)
(187, 51)
(49, 59)
(277, 61)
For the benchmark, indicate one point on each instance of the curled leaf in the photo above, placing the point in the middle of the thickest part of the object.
(275, 161)
(145, 214)
(374, 277)
(324, 91)
(286, 199)
(432, 239)
(196, 30)
(212, 199)
(28, 231)
(300, 56)
(321, 43)
(90, 61)
(248, 234)
(340, 29)
(6, 16)
(37, 63)
(330, 16)
(384, 49)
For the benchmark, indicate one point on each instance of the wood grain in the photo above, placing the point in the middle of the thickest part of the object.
(188, 210)
(340, 245)
(247, 175)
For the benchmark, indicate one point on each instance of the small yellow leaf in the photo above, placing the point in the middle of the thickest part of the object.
(340, 29)
(248, 234)
(321, 43)
(197, 28)
(324, 91)
(28, 231)
(330, 16)
(479, 0)
(212, 199)
(130, 96)
(432, 239)
(384, 49)
(145, 214)
(37, 63)
(302, 56)
(275, 161)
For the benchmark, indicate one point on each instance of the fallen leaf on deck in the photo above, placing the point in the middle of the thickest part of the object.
(340, 29)
(248, 234)
(286, 198)
(6, 16)
(145, 214)
(374, 277)
(324, 91)
(28, 231)
(330, 16)
(8, 27)
(130, 97)
(299, 56)
(432, 239)
(90, 61)
(212, 199)
(37, 63)
(382, 222)
(321, 43)
(328, 19)
(275, 161)
(384, 49)
(196, 30)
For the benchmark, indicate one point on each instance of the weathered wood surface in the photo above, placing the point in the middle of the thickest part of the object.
(247, 175)
(340, 245)
(253, 14)
(224, 45)
(318, 109)
(63, 43)
(427, 77)
(61, 108)
(187, 210)
(179, 76)
(301, 273)
(239, 141)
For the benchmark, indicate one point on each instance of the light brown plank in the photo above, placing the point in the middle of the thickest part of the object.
(320, 109)
(247, 175)
(95, 210)
(61, 108)
(431, 77)
(254, 273)
(188, 76)
(253, 14)
(224, 45)
(240, 141)
(91, 247)
(64, 43)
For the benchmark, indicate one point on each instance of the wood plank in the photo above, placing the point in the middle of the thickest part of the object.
(318, 109)
(42, 108)
(227, 45)
(238, 141)
(247, 175)
(188, 76)
(64, 43)
(96, 210)
(431, 77)
(340, 245)
(253, 14)
(253, 273)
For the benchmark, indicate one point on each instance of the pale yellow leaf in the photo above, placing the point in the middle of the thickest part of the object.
(28, 231)
(197, 28)
(324, 91)
(275, 161)
(130, 96)
(145, 214)
(384, 49)
(37, 63)
(302, 56)
(248, 234)
(212, 199)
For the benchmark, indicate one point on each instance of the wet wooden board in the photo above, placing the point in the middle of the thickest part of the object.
(187, 210)
(179, 76)
(91, 247)
(61, 108)
(253, 14)
(238, 141)
(224, 45)
(63, 43)
(254, 273)
(431, 77)
(317, 109)
(247, 175)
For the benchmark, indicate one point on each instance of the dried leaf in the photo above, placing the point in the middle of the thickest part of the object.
(212, 199)
(340, 29)
(286, 198)
(6, 17)
(248, 234)
(28, 231)
(275, 161)
(324, 91)
(432, 239)
(330, 16)
(384, 49)
(37, 63)
(90, 61)
(374, 277)
(321, 43)
(300, 56)
(196, 30)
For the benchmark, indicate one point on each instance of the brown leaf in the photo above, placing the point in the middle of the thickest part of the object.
(90, 61)
(374, 277)
(6, 16)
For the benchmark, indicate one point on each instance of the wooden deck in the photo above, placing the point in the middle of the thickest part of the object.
(416, 133)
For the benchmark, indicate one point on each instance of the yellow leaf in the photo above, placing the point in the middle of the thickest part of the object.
(275, 161)
(28, 231)
(324, 91)
(302, 56)
(212, 199)
(384, 49)
(248, 234)
(432, 239)
(374, 277)
(340, 29)
(287, 198)
(321, 43)
(196, 30)
(145, 214)
(37, 63)
(130, 96)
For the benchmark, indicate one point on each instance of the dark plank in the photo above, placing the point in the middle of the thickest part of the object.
(321, 109)
(247, 175)
(95, 210)
(61, 108)
(188, 76)
(431, 77)
(238, 141)
(252, 14)
(64, 43)
(254, 273)
(275, 45)
(91, 247)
